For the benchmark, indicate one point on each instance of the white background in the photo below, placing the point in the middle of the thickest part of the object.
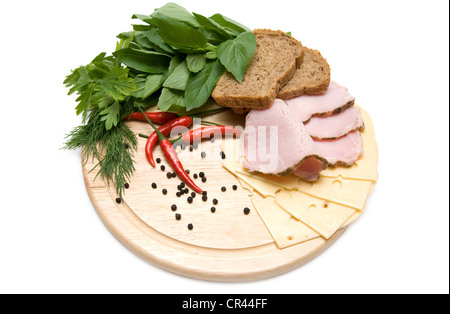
(392, 55)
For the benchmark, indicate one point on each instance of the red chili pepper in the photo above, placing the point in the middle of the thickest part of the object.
(205, 132)
(175, 162)
(173, 159)
(155, 117)
(165, 129)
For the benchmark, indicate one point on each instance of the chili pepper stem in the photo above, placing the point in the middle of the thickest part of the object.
(160, 135)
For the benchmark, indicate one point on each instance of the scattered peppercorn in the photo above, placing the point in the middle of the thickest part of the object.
(190, 226)
(205, 193)
(204, 198)
(191, 148)
(174, 174)
(126, 185)
(174, 207)
(186, 191)
(204, 179)
(215, 201)
(177, 216)
(118, 200)
(223, 189)
(235, 187)
(213, 209)
(188, 171)
(164, 191)
(158, 160)
(195, 176)
(193, 194)
(203, 154)
(163, 167)
(246, 210)
(222, 154)
(154, 185)
(201, 174)
(178, 194)
(190, 199)
(169, 175)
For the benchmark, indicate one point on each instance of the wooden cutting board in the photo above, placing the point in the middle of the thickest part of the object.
(225, 245)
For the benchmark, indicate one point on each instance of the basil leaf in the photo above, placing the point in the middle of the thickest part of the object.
(147, 85)
(196, 62)
(236, 54)
(200, 86)
(144, 61)
(180, 35)
(159, 43)
(176, 12)
(214, 26)
(178, 78)
(170, 98)
(229, 24)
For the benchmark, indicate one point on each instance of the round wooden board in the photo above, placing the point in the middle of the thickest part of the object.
(223, 246)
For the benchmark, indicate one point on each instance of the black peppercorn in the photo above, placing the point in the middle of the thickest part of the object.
(118, 200)
(203, 154)
(154, 185)
(178, 194)
(163, 167)
(204, 179)
(235, 187)
(205, 193)
(215, 201)
(195, 176)
(169, 175)
(177, 216)
(174, 207)
(204, 198)
(213, 209)
(191, 148)
(190, 199)
(201, 174)
(126, 185)
(164, 191)
(193, 194)
(222, 154)
(158, 160)
(246, 210)
(223, 189)
(190, 226)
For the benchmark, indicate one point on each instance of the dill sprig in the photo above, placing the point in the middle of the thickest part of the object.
(112, 149)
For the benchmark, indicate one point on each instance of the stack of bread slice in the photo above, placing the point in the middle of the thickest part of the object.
(280, 68)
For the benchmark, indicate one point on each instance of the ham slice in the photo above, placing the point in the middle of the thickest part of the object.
(335, 126)
(335, 100)
(276, 142)
(344, 151)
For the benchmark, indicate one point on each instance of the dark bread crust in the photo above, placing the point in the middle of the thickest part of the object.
(265, 69)
(312, 77)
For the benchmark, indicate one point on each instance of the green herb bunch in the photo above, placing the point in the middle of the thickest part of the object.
(182, 55)
(173, 61)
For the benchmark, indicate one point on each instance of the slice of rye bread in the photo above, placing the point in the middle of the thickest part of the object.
(311, 78)
(274, 63)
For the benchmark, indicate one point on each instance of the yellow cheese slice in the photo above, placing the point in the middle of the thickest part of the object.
(322, 216)
(366, 167)
(284, 229)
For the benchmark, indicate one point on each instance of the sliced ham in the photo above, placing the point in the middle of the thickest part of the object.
(335, 100)
(344, 151)
(337, 125)
(276, 142)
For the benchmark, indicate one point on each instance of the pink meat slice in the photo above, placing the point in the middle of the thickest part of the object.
(336, 99)
(276, 142)
(344, 151)
(336, 125)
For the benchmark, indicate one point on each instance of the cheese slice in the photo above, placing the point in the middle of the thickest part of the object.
(284, 229)
(322, 216)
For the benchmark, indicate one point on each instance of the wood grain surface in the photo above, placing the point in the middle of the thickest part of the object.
(225, 245)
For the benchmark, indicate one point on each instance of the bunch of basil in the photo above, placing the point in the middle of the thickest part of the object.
(177, 57)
